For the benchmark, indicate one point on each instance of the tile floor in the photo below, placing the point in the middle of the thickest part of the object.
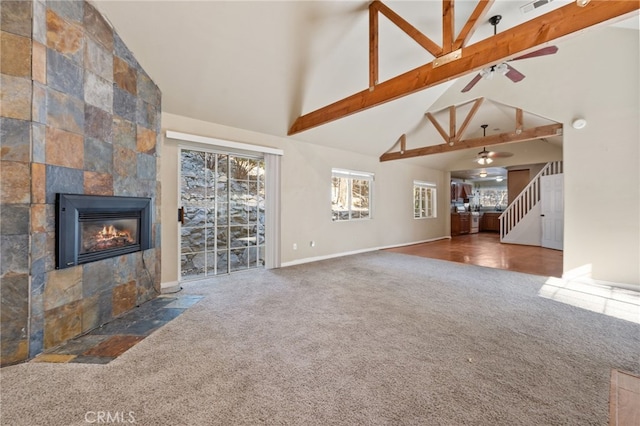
(106, 343)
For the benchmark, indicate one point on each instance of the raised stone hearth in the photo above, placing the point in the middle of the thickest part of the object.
(80, 116)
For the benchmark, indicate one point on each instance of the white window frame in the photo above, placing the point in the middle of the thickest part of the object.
(350, 176)
(423, 188)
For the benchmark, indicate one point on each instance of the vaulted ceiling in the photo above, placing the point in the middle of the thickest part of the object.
(259, 65)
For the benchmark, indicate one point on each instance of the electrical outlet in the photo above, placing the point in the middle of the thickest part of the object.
(295, 246)
(312, 244)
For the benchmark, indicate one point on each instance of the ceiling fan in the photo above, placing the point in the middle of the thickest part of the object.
(503, 68)
(485, 157)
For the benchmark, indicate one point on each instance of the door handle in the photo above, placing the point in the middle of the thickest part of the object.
(181, 215)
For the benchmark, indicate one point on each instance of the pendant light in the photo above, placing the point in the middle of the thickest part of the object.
(483, 156)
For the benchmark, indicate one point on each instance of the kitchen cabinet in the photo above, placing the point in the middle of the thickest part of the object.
(461, 191)
(490, 222)
(460, 223)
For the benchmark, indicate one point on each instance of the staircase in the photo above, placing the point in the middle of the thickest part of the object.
(526, 203)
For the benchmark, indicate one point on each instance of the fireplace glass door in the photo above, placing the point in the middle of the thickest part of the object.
(223, 213)
(105, 234)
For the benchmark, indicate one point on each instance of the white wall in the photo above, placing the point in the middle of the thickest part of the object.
(594, 75)
(306, 197)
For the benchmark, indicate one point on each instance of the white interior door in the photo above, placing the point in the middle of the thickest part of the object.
(552, 211)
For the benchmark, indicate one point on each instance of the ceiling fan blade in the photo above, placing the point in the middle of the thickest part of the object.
(513, 74)
(549, 50)
(493, 154)
(472, 83)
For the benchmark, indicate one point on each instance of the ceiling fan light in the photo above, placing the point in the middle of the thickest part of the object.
(483, 174)
(486, 73)
(502, 68)
(499, 179)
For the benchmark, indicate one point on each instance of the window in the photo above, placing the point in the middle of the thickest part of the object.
(424, 200)
(493, 197)
(350, 195)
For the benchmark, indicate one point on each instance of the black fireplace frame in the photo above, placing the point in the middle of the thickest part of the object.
(70, 208)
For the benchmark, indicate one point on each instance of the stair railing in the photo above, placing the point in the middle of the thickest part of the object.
(526, 200)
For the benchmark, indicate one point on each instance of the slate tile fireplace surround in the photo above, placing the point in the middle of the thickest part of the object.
(79, 116)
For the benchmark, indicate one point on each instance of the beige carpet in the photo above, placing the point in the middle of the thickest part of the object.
(377, 338)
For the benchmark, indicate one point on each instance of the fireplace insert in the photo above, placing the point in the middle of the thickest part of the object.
(94, 227)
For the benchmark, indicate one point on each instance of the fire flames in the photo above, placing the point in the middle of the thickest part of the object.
(96, 237)
(110, 232)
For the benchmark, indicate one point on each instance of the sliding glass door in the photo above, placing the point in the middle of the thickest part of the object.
(223, 213)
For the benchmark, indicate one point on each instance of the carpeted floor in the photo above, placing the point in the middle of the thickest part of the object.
(377, 338)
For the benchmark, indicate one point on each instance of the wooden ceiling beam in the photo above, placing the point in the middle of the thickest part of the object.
(472, 23)
(438, 127)
(448, 25)
(454, 134)
(561, 22)
(525, 135)
(452, 124)
(373, 46)
(519, 120)
(468, 119)
(409, 29)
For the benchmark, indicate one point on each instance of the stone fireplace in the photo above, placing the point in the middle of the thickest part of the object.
(79, 116)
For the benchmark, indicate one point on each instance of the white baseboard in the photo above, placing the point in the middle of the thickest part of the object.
(430, 240)
(349, 253)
